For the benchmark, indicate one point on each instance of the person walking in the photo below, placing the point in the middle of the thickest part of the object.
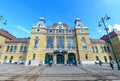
(111, 64)
(50, 62)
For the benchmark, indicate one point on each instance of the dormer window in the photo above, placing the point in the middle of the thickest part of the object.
(38, 30)
(81, 30)
(60, 25)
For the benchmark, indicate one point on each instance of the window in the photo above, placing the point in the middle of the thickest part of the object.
(93, 49)
(38, 30)
(11, 48)
(68, 31)
(20, 59)
(33, 57)
(81, 30)
(70, 43)
(21, 49)
(60, 42)
(110, 58)
(25, 49)
(108, 49)
(96, 50)
(50, 42)
(5, 59)
(102, 50)
(36, 42)
(97, 58)
(51, 31)
(60, 25)
(84, 43)
(8, 47)
(61, 31)
(105, 49)
(15, 48)
(86, 56)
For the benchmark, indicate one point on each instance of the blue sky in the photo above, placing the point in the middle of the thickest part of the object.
(22, 14)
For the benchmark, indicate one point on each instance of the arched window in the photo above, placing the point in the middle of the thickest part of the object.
(81, 30)
(11, 48)
(86, 56)
(93, 49)
(105, 58)
(96, 50)
(15, 48)
(8, 47)
(97, 58)
(21, 49)
(11, 58)
(105, 49)
(102, 50)
(33, 57)
(108, 49)
(5, 59)
(50, 42)
(110, 58)
(84, 42)
(25, 49)
(36, 42)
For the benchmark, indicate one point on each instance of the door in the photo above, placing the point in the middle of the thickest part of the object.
(48, 57)
(60, 59)
(71, 58)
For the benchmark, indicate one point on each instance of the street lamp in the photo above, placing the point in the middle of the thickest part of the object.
(103, 19)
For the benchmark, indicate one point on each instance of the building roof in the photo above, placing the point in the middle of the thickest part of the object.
(56, 25)
(112, 34)
(6, 34)
(18, 40)
(97, 41)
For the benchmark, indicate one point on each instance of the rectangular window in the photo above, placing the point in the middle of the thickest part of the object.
(50, 42)
(70, 43)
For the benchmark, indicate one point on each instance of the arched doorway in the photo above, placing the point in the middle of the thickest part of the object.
(48, 57)
(71, 58)
(60, 59)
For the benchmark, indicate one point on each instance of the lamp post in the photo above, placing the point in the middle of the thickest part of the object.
(103, 19)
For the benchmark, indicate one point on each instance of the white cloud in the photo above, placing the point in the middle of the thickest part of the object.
(110, 27)
(101, 31)
(23, 29)
(117, 27)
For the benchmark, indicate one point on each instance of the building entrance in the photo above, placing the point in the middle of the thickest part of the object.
(60, 59)
(71, 58)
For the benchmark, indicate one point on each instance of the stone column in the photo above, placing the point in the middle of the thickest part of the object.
(55, 42)
(65, 42)
(54, 58)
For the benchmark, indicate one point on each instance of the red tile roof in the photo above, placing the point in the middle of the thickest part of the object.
(112, 34)
(18, 40)
(6, 34)
(97, 41)
(56, 24)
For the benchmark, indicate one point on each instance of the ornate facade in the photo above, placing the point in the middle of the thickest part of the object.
(60, 43)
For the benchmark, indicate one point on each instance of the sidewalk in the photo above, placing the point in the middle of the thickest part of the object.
(58, 73)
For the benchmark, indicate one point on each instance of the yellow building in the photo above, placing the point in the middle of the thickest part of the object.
(59, 42)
